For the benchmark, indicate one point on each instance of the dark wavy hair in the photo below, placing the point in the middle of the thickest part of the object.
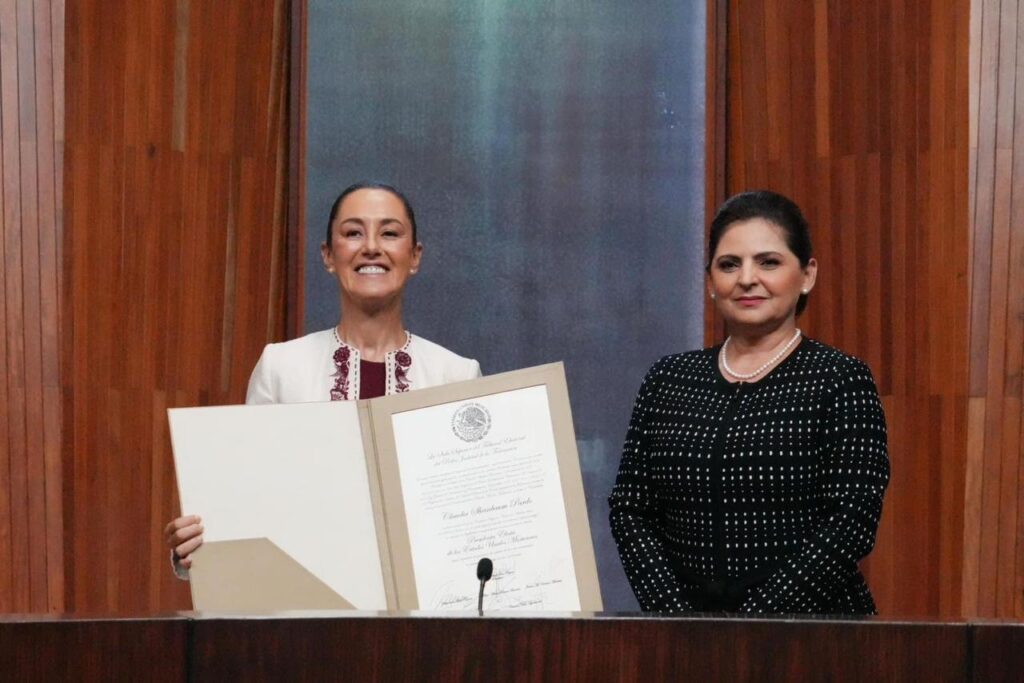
(773, 207)
(371, 185)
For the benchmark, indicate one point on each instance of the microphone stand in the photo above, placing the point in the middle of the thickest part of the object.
(484, 568)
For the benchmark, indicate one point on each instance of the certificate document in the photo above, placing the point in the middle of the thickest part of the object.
(390, 503)
(483, 476)
(486, 468)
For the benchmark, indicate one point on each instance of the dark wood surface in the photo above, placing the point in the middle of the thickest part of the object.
(619, 649)
(55, 649)
(347, 646)
(997, 653)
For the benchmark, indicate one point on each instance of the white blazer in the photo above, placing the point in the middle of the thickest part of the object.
(304, 370)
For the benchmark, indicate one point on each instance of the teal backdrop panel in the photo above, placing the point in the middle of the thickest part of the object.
(554, 154)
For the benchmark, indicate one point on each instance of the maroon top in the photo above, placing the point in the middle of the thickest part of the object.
(372, 379)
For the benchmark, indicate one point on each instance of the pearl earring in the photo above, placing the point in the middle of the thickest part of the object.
(713, 296)
(805, 292)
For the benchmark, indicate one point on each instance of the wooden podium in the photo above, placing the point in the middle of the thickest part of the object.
(584, 647)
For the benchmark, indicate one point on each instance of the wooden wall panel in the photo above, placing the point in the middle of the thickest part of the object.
(176, 206)
(857, 109)
(31, 149)
(994, 507)
(173, 265)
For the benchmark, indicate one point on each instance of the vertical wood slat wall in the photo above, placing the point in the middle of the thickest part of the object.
(994, 508)
(176, 117)
(858, 110)
(31, 153)
(176, 207)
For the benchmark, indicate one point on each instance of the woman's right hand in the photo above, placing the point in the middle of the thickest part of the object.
(183, 535)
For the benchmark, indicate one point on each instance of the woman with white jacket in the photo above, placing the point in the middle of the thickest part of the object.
(372, 250)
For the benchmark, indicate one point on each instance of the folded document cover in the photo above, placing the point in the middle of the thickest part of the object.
(389, 503)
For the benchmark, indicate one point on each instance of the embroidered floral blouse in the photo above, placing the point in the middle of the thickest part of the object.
(320, 367)
(349, 367)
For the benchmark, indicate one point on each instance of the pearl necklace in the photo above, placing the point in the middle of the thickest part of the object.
(755, 373)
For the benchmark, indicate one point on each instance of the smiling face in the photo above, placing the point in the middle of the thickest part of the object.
(754, 277)
(371, 253)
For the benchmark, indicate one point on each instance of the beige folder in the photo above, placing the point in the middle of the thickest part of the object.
(254, 575)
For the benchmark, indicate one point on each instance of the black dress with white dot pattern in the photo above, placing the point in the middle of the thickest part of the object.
(752, 497)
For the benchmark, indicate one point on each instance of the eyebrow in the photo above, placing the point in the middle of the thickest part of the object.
(360, 221)
(761, 254)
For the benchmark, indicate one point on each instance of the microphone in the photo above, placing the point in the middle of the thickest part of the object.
(484, 569)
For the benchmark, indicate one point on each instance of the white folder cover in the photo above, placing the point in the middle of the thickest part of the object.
(294, 474)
